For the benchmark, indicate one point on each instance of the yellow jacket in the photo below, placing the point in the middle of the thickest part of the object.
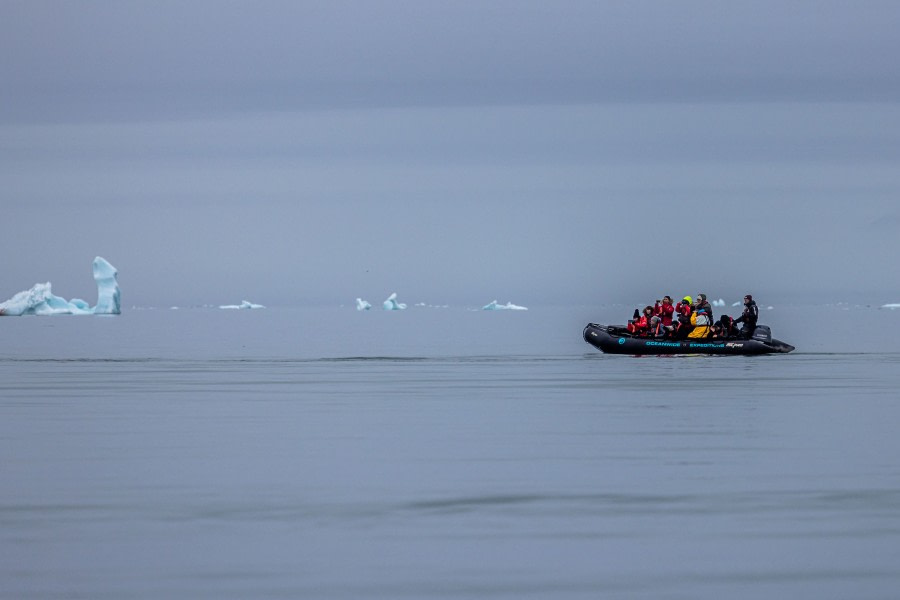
(701, 324)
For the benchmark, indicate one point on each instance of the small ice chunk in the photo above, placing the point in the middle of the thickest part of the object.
(736, 303)
(718, 302)
(245, 305)
(508, 306)
(891, 306)
(392, 304)
(362, 304)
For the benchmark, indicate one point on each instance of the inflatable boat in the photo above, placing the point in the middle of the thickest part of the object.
(617, 340)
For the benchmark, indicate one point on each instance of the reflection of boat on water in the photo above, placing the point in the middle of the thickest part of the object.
(618, 340)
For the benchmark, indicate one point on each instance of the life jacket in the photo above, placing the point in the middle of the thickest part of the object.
(639, 326)
(683, 310)
(708, 308)
(664, 312)
(725, 326)
(701, 323)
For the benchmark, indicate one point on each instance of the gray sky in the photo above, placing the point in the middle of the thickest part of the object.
(292, 152)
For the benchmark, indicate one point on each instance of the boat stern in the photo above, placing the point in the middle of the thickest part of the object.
(781, 347)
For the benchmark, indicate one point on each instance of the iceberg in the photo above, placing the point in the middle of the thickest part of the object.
(392, 304)
(362, 304)
(718, 302)
(508, 306)
(109, 299)
(40, 300)
(245, 305)
(891, 306)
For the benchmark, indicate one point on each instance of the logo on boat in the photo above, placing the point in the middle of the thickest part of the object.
(621, 340)
(733, 345)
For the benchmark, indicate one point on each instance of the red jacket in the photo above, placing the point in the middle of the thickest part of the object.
(683, 310)
(664, 312)
(639, 326)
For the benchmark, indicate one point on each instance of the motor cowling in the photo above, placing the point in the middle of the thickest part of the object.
(762, 333)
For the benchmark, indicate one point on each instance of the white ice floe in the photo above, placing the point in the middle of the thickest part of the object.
(718, 302)
(362, 304)
(392, 304)
(736, 303)
(891, 306)
(245, 305)
(508, 306)
(39, 300)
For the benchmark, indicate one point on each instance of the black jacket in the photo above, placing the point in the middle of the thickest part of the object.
(750, 315)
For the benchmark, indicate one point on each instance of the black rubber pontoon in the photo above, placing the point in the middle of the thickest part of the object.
(617, 340)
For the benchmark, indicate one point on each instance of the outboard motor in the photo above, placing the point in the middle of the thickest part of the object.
(762, 333)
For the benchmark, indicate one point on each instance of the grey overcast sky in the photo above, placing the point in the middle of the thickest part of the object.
(453, 152)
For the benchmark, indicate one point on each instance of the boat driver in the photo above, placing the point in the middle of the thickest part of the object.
(748, 318)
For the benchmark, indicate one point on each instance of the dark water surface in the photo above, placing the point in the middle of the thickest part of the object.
(322, 453)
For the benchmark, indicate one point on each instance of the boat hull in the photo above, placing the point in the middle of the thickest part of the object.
(615, 340)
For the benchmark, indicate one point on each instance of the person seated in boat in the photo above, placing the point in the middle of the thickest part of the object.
(652, 321)
(718, 332)
(724, 328)
(748, 318)
(640, 326)
(662, 315)
(634, 319)
(682, 324)
(703, 303)
(701, 324)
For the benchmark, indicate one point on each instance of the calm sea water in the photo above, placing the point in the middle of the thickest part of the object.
(443, 453)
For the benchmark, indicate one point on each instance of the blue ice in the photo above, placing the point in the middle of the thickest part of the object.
(40, 300)
(392, 304)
